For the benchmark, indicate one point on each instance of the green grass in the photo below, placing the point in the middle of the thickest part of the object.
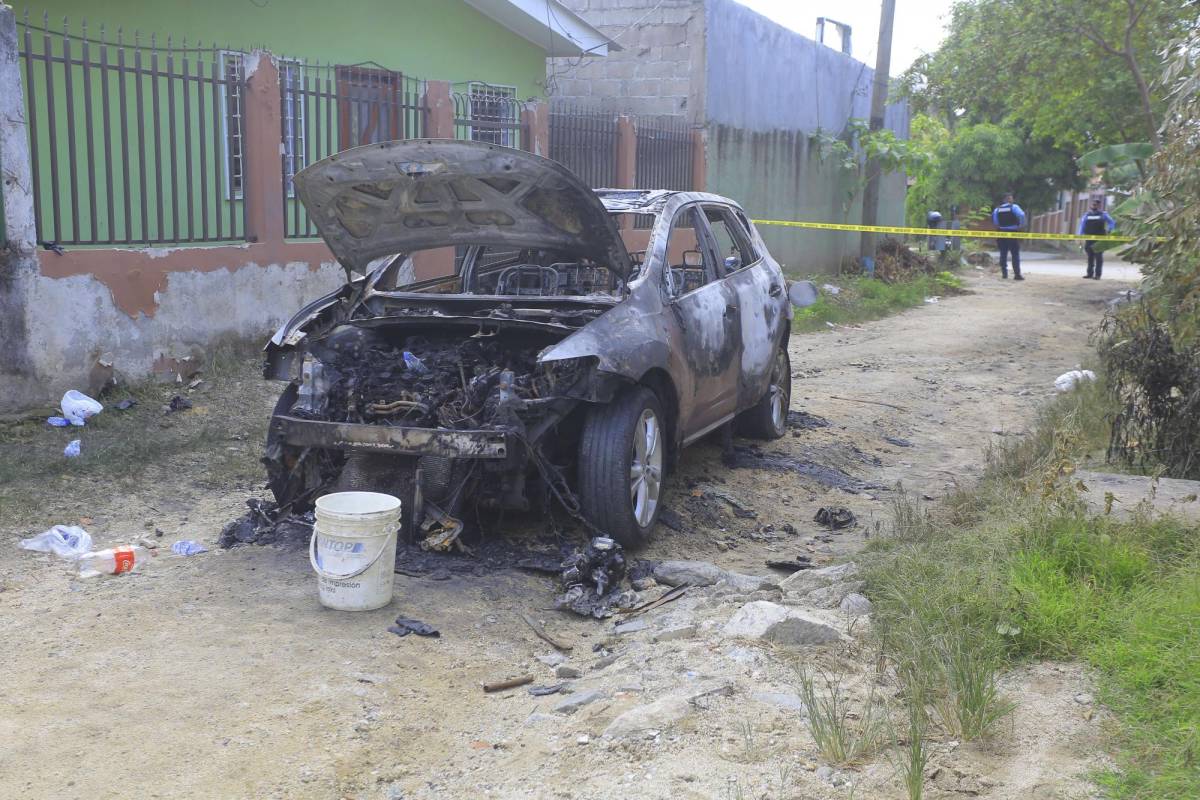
(1018, 568)
(215, 445)
(863, 299)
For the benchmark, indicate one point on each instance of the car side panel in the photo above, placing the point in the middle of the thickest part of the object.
(763, 321)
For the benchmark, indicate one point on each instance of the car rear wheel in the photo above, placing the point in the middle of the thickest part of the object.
(767, 419)
(622, 460)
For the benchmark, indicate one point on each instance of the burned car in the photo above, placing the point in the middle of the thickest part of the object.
(508, 338)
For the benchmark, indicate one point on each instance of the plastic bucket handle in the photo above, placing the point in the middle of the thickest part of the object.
(312, 559)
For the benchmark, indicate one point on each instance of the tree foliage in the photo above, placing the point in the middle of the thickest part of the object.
(857, 145)
(975, 165)
(1151, 351)
(1069, 71)
(1166, 214)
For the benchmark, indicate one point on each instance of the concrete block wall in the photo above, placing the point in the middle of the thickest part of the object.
(756, 93)
(660, 71)
(769, 91)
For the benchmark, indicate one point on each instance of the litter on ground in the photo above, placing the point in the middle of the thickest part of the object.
(67, 541)
(1069, 380)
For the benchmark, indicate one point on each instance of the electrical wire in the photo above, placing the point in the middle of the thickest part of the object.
(552, 79)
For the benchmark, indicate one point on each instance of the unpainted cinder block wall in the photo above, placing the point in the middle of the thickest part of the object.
(759, 92)
(658, 71)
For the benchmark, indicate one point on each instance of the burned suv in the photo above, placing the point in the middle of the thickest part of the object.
(508, 338)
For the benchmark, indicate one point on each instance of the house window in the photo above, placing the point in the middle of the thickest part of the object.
(233, 69)
(291, 75)
(493, 114)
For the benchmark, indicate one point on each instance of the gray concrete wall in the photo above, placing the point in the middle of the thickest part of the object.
(769, 91)
(659, 71)
(74, 321)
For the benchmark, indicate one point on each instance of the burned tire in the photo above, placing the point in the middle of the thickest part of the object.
(287, 479)
(767, 419)
(622, 458)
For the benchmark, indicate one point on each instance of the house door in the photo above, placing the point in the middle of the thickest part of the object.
(370, 106)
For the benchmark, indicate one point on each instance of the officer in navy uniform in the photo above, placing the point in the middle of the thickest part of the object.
(1096, 222)
(1008, 216)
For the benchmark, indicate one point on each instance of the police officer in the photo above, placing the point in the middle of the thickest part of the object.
(1095, 222)
(1008, 216)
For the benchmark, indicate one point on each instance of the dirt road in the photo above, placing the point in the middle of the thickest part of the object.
(220, 676)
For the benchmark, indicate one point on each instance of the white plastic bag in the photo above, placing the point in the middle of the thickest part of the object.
(67, 541)
(77, 407)
(1068, 380)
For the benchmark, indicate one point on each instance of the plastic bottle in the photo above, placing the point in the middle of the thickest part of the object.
(112, 561)
(415, 364)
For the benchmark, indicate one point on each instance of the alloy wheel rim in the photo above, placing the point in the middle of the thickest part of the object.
(645, 472)
(779, 391)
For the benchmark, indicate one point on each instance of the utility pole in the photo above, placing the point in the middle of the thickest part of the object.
(879, 91)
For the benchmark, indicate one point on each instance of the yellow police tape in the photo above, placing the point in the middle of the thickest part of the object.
(834, 226)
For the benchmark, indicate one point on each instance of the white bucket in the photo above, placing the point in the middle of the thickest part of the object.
(353, 549)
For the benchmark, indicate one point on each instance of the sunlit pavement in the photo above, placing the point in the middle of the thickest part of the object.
(1050, 264)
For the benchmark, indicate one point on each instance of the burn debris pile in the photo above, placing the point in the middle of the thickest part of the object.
(593, 580)
(443, 381)
(266, 523)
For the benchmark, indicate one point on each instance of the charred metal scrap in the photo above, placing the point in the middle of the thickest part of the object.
(592, 579)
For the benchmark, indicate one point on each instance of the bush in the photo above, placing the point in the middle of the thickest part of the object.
(1155, 378)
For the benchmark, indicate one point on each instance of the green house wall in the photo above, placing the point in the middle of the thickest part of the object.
(432, 39)
(444, 40)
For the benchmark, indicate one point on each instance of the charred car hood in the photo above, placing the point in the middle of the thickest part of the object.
(397, 197)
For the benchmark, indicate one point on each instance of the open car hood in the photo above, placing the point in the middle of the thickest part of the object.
(399, 197)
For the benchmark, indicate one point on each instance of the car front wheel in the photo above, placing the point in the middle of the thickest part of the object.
(622, 458)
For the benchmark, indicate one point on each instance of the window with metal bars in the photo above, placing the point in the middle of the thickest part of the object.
(233, 67)
(291, 75)
(493, 113)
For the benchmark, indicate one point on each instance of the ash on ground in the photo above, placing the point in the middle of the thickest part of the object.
(266, 523)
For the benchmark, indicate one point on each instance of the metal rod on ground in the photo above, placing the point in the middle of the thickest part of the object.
(511, 683)
(541, 634)
(879, 89)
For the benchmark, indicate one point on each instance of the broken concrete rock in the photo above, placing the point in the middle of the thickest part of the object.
(666, 711)
(552, 659)
(781, 625)
(805, 581)
(656, 716)
(572, 703)
(675, 632)
(831, 596)
(856, 605)
(633, 626)
(703, 573)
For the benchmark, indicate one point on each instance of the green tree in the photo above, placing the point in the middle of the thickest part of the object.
(975, 165)
(1068, 71)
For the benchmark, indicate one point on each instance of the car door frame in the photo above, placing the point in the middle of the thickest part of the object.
(757, 285)
(708, 329)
